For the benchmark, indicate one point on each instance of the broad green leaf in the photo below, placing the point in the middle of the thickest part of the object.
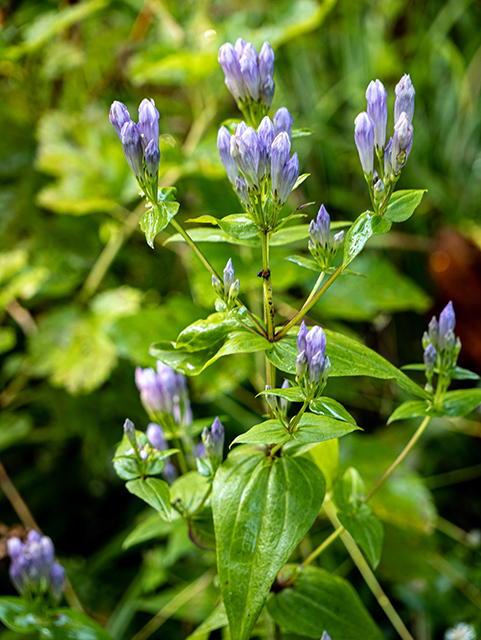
(216, 620)
(190, 364)
(128, 467)
(458, 373)
(241, 342)
(311, 428)
(357, 236)
(348, 358)
(410, 409)
(380, 224)
(293, 394)
(239, 226)
(154, 492)
(320, 601)
(349, 491)
(68, 624)
(204, 334)
(367, 531)
(402, 204)
(287, 235)
(460, 403)
(158, 217)
(188, 492)
(152, 527)
(262, 507)
(330, 407)
(15, 615)
(201, 528)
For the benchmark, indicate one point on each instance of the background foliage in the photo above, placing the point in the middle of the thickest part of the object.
(82, 296)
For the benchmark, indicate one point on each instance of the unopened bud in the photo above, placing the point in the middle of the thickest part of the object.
(129, 430)
(364, 138)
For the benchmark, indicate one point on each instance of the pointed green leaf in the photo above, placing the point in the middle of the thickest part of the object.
(460, 403)
(293, 394)
(239, 226)
(307, 263)
(357, 236)
(367, 531)
(409, 409)
(189, 364)
(263, 507)
(268, 432)
(458, 373)
(330, 407)
(158, 217)
(300, 133)
(319, 601)
(154, 492)
(380, 224)
(216, 620)
(204, 334)
(152, 527)
(402, 204)
(189, 491)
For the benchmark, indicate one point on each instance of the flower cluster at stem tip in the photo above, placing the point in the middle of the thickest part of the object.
(34, 571)
(441, 347)
(210, 451)
(228, 290)
(312, 363)
(370, 137)
(156, 442)
(321, 247)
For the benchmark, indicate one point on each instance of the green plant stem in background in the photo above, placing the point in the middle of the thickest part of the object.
(322, 547)
(367, 574)
(267, 284)
(180, 456)
(419, 432)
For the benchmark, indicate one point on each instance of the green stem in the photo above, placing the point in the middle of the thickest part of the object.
(322, 547)
(309, 304)
(419, 432)
(268, 299)
(368, 575)
(180, 456)
(295, 421)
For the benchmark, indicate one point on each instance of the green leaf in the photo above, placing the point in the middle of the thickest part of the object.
(15, 615)
(158, 217)
(458, 373)
(402, 204)
(188, 491)
(263, 507)
(319, 601)
(189, 364)
(301, 133)
(307, 263)
(326, 456)
(380, 224)
(154, 492)
(239, 226)
(204, 334)
(152, 527)
(216, 620)
(367, 531)
(68, 624)
(300, 180)
(348, 358)
(293, 394)
(357, 236)
(460, 403)
(311, 428)
(330, 407)
(410, 409)
(8, 339)
(349, 491)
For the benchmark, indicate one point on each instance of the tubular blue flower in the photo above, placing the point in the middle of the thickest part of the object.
(402, 143)
(214, 443)
(234, 80)
(302, 365)
(388, 160)
(266, 62)
(325, 636)
(301, 337)
(250, 73)
(229, 275)
(323, 223)
(223, 145)
(57, 580)
(433, 329)
(15, 548)
(337, 240)
(429, 358)
(447, 322)
(377, 111)
(364, 138)
(118, 116)
(246, 158)
(239, 47)
(312, 364)
(18, 578)
(242, 192)
(267, 90)
(266, 133)
(155, 435)
(280, 151)
(289, 176)
(133, 148)
(148, 122)
(404, 98)
(283, 121)
(152, 158)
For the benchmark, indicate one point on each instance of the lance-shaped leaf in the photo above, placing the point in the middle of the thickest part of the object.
(318, 601)
(367, 531)
(158, 217)
(402, 204)
(262, 507)
(154, 492)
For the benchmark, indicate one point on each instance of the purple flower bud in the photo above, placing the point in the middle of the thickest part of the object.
(240, 128)
(388, 160)
(323, 223)
(57, 580)
(15, 548)
(229, 275)
(301, 337)
(129, 430)
(266, 133)
(270, 399)
(250, 73)
(429, 358)
(316, 367)
(286, 384)
(48, 553)
(280, 151)
(199, 451)
(266, 62)
(239, 47)
(169, 472)
(283, 403)
(302, 364)
(377, 111)
(251, 51)
(337, 241)
(119, 115)
(143, 454)
(244, 159)
(148, 122)
(242, 192)
(18, 578)
(402, 143)
(234, 291)
(289, 177)
(223, 144)
(325, 636)
(152, 158)
(315, 342)
(364, 138)
(268, 88)
(218, 286)
(433, 330)
(155, 435)
(232, 70)
(447, 321)
(283, 121)
(250, 137)
(33, 536)
(133, 149)
(214, 442)
(404, 98)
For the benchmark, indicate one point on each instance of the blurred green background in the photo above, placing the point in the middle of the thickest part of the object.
(82, 296)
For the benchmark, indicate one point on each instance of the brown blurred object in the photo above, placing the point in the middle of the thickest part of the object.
(455, 267)
(10, 532)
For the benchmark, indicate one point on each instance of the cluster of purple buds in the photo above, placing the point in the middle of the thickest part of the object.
(312, 364)
(278, 406)
(441, 347)
(259, 164)
(164, 396)
(249, 75)
(34, 570)
(156, 442)
(140, 142)
(370, 135)
(210, 452)
(321, 247)
(227, 290)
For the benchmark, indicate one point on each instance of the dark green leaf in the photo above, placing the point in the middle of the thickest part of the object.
(330, 407)
(458, 373)
(320, 601)
(460, 403)
(402, 204)
(410, 409)
(367, 531)
(15, 615)
(349, 491)
(152, 527)
(283, 354)
(268, 432)
(201, 528)
(263, 507)
(158, 217)
(154, 492)
(357, 236)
